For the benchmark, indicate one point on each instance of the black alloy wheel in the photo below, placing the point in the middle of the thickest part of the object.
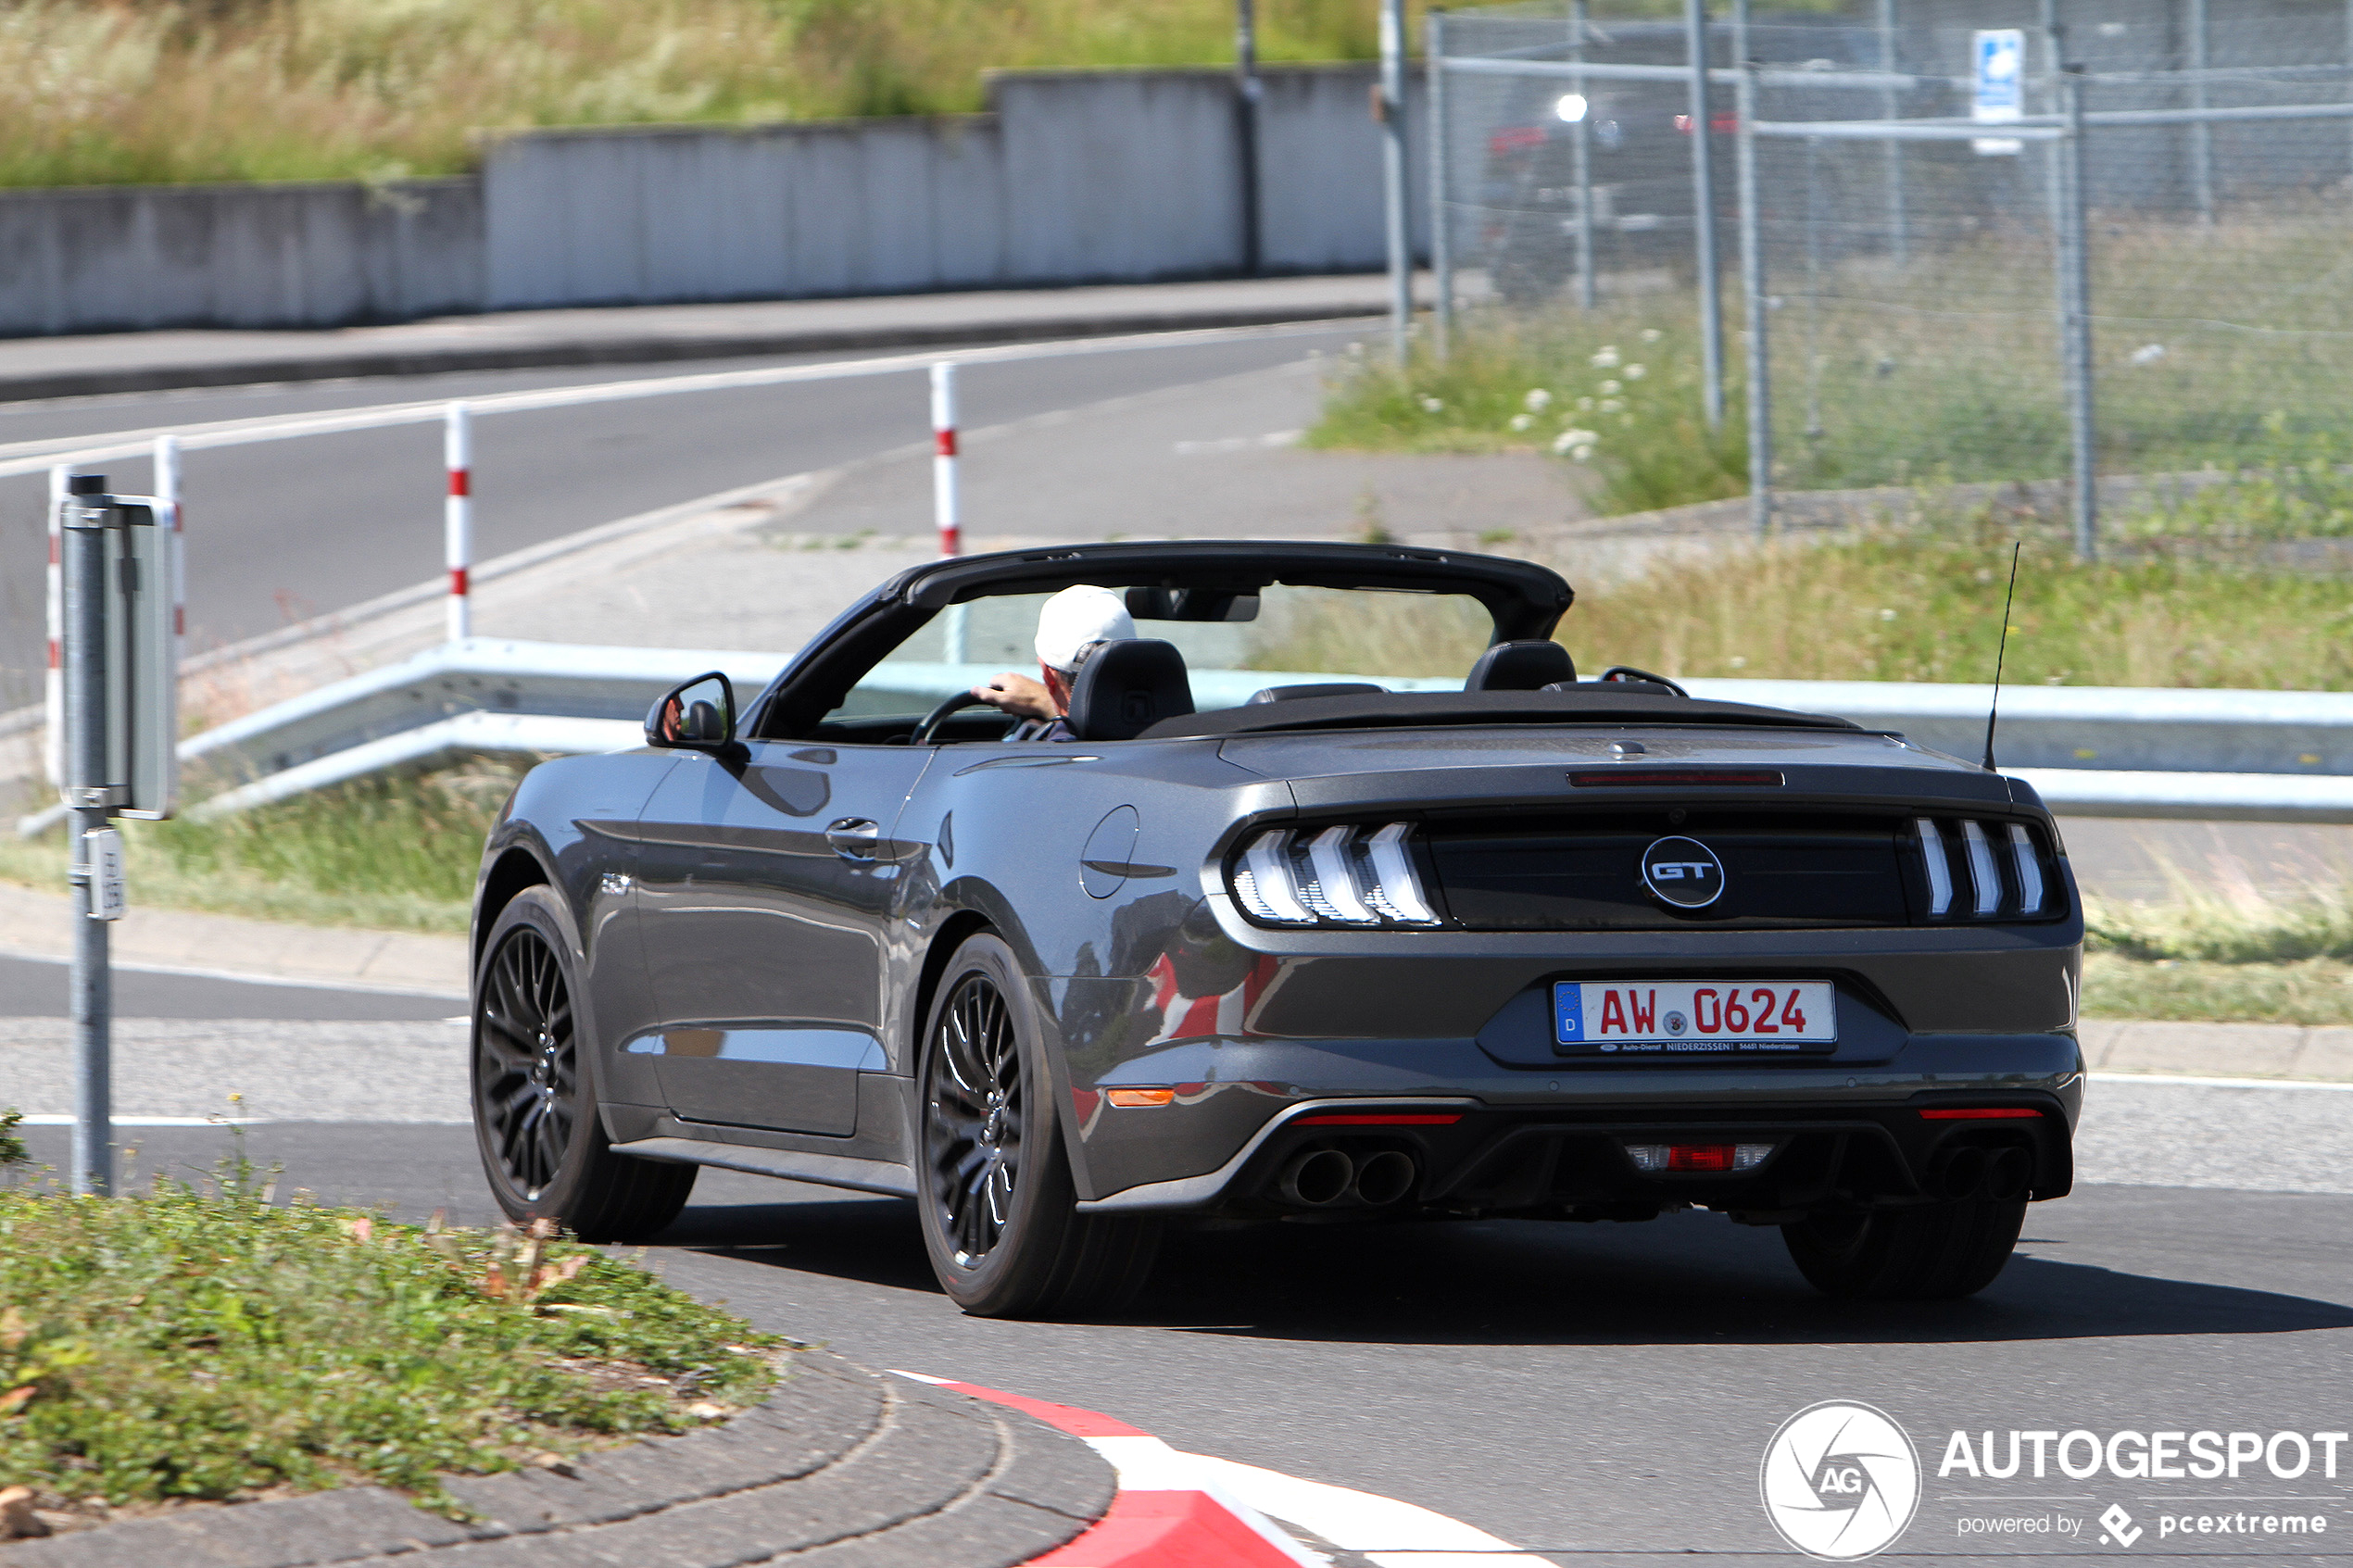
(537, 1122)
(527, 1068)
(973, 1137)
(999, 1208)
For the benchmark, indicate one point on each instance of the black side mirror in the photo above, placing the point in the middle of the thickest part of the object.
(697, 716)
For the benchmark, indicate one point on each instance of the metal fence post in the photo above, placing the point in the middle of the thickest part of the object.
(90, 794)
(1393, 120)
(1580, 146)
(167, 461)
(2078, 320)
(1248, 91)
(1760, 414)
(1898, 224)
(53, 737)
(2201, 134)
(1711, 305)
(1442, 240)
(946, 510)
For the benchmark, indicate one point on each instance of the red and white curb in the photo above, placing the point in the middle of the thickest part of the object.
(1190, 1511)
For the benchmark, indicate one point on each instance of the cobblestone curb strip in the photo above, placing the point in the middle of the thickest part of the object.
(837, 1468)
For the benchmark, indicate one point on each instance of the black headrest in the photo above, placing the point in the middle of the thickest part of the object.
(1129, 686)
(1520, 667)
(1321, 688)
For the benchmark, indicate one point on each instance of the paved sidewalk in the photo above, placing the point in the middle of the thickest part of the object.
(839, 1467)
(107, 362)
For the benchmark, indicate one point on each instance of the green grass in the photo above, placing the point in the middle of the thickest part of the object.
(394, 854)
(103, 92)
(2220, 350)
(2316, 992)
(209, 1344)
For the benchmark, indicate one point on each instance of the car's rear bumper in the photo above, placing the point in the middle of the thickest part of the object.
(1488, 1139)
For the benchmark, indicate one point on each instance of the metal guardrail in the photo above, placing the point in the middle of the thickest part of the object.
(2113, 751)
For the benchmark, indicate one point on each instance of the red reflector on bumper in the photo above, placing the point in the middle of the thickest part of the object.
(1983, 1113)
(1353, 1118)
(1699, 1157)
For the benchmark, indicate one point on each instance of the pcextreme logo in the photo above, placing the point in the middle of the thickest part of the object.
(1840, 1481)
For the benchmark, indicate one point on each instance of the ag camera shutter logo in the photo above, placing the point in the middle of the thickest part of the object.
(1840, 1481)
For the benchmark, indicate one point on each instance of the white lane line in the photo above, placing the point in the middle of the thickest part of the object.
(38, 455)
(1384, 1531)
(2322, 1084)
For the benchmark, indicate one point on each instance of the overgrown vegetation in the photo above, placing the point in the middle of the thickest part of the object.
(210, 1344)
(1939, 372)
(2198, 957)
(102, 92)
(393, 854)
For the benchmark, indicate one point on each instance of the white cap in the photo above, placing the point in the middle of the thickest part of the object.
(1076, 616)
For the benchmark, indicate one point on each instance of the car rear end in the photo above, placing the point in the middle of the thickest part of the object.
(1796, 976)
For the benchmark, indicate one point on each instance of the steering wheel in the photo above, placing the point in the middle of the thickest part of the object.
(939, 716)
(1627, 673)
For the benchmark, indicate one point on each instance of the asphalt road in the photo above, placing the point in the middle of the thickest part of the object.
(1586, 1393)
(38, 988)
(286, 530)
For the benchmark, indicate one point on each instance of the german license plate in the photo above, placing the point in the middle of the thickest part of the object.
(1694, 1017)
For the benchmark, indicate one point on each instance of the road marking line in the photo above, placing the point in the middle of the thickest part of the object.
(2186, 1082)
(1168, 1510)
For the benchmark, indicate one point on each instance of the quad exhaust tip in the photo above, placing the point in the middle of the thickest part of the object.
(1327, 1178)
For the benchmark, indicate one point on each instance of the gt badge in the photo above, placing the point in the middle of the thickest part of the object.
(1683, 873)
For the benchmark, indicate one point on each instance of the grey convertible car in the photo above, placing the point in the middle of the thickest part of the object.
(1261, 947)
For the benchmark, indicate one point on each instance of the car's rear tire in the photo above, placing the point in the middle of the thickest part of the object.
(1939, 1252)
(1000, 1214)
(543, 1143)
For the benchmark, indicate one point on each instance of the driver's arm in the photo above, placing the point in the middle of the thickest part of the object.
(1017, 696)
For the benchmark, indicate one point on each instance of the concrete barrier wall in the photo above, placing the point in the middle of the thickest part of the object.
(237, 256)
(1072, 177)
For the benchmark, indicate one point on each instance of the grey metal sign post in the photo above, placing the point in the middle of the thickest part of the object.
(120, 712)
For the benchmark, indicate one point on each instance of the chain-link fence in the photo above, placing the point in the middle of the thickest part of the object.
(2142, 277)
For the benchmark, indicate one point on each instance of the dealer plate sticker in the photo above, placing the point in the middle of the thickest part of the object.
(1682, 1017)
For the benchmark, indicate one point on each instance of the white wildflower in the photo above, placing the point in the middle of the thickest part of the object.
(1887, 615)
(1651, 334)
(1612, 405)
(1606, 358)
(1537, 401)
(1584, 405)
(1433, 404)
(2147, 353)
(1636, 372)
(1521, 421)
(1611, 389)
(1574, 443)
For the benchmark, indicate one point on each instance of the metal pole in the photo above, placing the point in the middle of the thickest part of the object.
(1441, 218)
(167, 463)
(2201, 134)
(1711, 305)
(1899, 239)
(1248, 91)
(1753, 298)
(1580, 145)
(2078, 324)
(89, 794)
(458, 518)
(1393, 118)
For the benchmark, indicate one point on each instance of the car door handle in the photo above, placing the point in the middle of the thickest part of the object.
(854, 838)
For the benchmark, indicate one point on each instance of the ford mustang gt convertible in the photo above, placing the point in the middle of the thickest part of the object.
(1265, 945)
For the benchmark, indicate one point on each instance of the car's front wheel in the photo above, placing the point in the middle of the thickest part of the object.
(543, 1145)
(999, 1212)
(1940, 1251)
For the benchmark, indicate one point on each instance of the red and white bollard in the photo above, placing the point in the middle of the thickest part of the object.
(53, 694)
(943, 462)
(458, 518)
(943, 496)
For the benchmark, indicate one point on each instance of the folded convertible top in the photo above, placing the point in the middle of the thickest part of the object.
(1599, 703)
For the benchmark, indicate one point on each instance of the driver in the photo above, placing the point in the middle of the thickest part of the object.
(1071, 627)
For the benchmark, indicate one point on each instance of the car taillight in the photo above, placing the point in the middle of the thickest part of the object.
(1349, 875)
(1980, 870)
